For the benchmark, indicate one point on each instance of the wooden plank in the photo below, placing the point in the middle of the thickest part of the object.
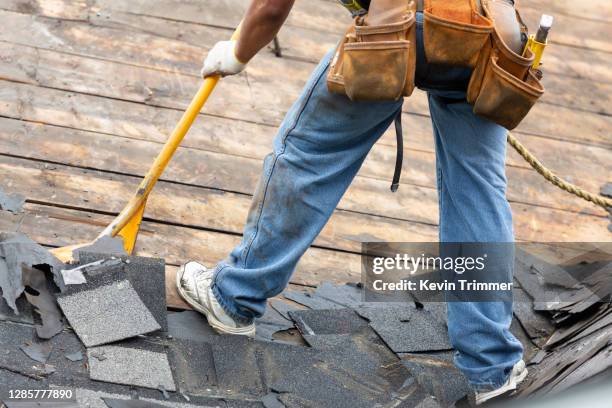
(160, 17)
(173, 299)
(205, 169)
(406, 204)
(187, 206)
(596, 10)
(329, 16)
(570, 30)
(318, 15)
(571, 92)
(167, 91)
(203, 37)
(316, 44)
(161, 89)
(216, 134)
(542, 121)
(52, 226)
(572, 123)
(309, 45)
(192, 166)
(66, 10)
(118, 117)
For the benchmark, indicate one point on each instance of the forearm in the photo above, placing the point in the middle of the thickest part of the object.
(262, 21)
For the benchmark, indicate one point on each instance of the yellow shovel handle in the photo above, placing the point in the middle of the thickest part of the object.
(163, 158)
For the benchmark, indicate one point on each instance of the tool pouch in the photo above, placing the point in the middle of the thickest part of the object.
(503, 86)
(454, 32)
(377, 56)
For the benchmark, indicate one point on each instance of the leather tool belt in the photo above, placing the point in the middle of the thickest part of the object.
(376, 58)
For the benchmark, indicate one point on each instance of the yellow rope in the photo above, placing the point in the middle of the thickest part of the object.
(599, 200)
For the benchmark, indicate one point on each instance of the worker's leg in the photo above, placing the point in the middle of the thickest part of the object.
(319, 148)
(471, 180)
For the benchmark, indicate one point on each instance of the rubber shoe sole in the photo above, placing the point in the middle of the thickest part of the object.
(215, 323)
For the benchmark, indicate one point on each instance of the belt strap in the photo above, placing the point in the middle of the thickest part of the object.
(399, 155)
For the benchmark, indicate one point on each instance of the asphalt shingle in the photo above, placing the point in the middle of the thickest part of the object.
(131, 366)
(108, 313)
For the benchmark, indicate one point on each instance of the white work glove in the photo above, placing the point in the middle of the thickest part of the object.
(222, 60)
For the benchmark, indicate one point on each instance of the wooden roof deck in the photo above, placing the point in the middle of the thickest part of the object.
(89, 91)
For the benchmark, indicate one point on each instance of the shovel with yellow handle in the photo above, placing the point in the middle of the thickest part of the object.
(127, 223)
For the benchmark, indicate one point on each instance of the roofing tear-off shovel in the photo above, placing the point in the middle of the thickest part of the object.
(127, 223)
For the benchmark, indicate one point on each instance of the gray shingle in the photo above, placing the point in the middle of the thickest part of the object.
(406, 329)
(131, 366)
(108, 313)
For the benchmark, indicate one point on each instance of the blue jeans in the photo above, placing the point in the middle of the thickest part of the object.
(319, 148)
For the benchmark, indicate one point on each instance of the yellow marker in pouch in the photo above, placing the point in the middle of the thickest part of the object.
(537, 43)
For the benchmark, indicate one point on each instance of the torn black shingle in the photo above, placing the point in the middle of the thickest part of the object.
(337, 321)
(282, 307)
(193, 365)
(17, 251)
(339, 377)
(103, 245)
(438, 377)
(131, 366)
(561, 362)
(325, 341)
(237, 367)
(270, 323)
(604, 320)
(407, 329)
(329, 296)
(39, 352)
(536, 324)
(305, 375)
(76, 356)
(64, 343)
(348, 296)
(107, 313)
(599, 363)
(530, 346)
(598, 319)
(189, 325)
(311, 301)
(23, 306)
(536, 277)
(39, 293)
(12, 337)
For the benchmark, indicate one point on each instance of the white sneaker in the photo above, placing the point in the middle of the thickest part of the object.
(194, 283)
(518, 374)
